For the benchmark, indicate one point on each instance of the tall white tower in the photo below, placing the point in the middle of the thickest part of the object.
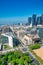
(30, 24)
(10, 41)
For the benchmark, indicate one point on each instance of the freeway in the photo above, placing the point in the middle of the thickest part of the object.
(35, 61)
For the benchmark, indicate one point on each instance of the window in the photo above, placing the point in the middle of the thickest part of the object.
(4, 39)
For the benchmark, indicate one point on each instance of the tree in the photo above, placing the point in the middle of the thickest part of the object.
(21, 61)
(9, 58)
(35, 46)
(27, 59)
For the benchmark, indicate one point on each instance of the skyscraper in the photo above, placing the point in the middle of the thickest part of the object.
(42, 19)
(39, 20)
(34, 19)
(29, 20)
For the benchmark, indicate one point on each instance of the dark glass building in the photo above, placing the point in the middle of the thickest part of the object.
(34, 19)
(4, 40)
(39, 20)
(29, 20)
(42, 19)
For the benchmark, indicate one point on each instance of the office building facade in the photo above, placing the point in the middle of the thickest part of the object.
(42, 19)
(34, 19)
(29, 20)
(39, 20)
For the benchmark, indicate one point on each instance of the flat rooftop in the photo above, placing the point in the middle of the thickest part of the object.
(39, 52)
(8, 34)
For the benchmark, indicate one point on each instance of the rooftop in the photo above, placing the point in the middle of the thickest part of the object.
(39, 52)
(32, 36)
(8, 34)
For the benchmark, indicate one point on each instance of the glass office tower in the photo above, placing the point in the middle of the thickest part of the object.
(39, 20)
(34, 20)
(29, 20)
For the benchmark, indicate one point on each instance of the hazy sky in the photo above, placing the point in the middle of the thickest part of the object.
(18, 10)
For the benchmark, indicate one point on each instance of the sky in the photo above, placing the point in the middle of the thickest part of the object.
(14, 11)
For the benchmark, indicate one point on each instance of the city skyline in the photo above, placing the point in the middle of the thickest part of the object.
(23, 20)
(19, 10)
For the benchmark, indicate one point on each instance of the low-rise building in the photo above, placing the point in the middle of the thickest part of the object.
(31, 39)
(27, 40)
(20, 33)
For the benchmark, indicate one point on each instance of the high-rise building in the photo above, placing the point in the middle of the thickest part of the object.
(42, 19)
(40, 32)
(39, 20)
(29, 20)
(34, 19)
(9, 39)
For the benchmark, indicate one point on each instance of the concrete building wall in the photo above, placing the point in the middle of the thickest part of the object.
(27, 40)
(7, 40)
(20, 33)
(10, 41)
